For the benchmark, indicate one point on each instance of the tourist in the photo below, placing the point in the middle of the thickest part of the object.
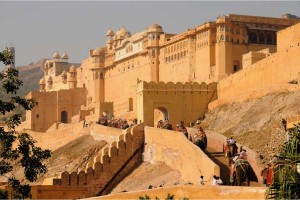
(264, 174)
(214, 182)
(201, 181)
(243, 155)
(219, 181)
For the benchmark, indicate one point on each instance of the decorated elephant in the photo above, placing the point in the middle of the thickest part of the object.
(201, 142)
(242, 172)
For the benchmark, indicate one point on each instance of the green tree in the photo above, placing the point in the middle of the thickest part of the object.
(286, 176)
(17, 147)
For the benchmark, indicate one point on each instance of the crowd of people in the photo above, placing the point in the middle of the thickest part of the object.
(164, 124)
(181, 128)
(115, 123)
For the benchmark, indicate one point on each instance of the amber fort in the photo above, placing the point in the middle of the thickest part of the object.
(153, 75)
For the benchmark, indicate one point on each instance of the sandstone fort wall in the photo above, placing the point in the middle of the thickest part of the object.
(180, 101)
(195, 192)
(189, 160)
(107, 169)
(279, 68)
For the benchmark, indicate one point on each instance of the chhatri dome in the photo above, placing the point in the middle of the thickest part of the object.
(99, 51)
(65, 56)
(155, 28)
(56, 55)
(72, 68)
(42, 81)
(123, 33)
(110, 33)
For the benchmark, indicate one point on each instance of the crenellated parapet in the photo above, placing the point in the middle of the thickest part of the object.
(175, 87)
(113, 162)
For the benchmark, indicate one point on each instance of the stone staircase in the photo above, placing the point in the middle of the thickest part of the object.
(113, 163)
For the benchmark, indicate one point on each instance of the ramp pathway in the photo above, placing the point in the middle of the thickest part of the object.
(219, 159)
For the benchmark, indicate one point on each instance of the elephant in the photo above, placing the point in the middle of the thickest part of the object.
(201, 143)
(243, 172)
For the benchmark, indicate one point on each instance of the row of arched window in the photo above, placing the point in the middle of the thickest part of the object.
(202, 44)
(176, 56)
(175, 47)
(203, 34)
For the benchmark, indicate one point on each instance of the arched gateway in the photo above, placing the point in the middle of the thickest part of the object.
(177, 102)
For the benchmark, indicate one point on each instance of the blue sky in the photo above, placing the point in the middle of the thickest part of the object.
(38, 29)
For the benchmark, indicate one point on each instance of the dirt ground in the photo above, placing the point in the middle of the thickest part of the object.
(70, 157)
(255, 123)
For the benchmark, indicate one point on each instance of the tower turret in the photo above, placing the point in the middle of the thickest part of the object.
(72, 78)
(42, 84)
(154, 32)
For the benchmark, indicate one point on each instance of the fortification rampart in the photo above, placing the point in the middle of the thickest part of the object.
(162, 146)
(112, 164)
(175, 87)
(270, 74)
(54, 140)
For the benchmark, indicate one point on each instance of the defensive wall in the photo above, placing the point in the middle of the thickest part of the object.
(194, 192)
(217, 142)
(162, 146)
(106, 133)
(105, 171)
(270, 74)
(178, 101)
(60, 137)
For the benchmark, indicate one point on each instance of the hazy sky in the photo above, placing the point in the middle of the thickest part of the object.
(38, 29)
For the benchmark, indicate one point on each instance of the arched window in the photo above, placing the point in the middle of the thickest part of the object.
(236, 66)
(64, 117)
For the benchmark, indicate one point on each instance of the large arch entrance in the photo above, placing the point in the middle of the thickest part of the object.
(160, 113)
(64, 117)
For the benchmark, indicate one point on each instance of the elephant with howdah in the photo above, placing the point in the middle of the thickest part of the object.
(243, 172)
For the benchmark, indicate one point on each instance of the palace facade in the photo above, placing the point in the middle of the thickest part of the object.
(161, 70)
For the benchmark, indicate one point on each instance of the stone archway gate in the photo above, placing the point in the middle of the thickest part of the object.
(184, 101)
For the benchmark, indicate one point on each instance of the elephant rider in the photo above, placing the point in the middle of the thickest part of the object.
(243, 155)
(201, 132)
(197, 136)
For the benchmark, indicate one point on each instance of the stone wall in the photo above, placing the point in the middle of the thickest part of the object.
(217, 142)
(180, 154)
(51, 105)
(108, 168)
(279, 69)
(179, 101)
(194, 192)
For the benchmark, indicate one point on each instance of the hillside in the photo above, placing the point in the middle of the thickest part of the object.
(30, 75)
(70, 157)
(255, 123)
